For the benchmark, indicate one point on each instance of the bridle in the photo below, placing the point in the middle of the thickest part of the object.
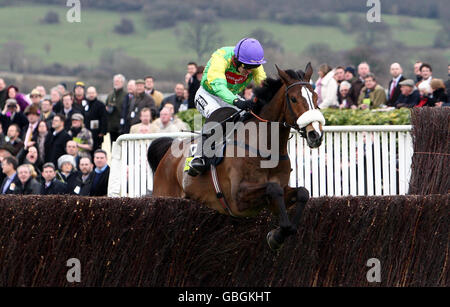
(301, 131)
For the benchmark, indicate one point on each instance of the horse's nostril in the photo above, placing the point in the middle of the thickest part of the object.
(313, 135)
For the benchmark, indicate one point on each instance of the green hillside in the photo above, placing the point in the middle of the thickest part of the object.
(159, 48)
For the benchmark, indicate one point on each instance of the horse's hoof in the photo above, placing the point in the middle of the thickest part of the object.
(271, 240)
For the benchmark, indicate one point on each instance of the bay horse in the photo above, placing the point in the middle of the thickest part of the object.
(289, 102)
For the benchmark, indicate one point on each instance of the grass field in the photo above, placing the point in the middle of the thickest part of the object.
(159, 48)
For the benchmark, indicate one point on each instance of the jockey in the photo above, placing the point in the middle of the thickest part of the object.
(227, 73)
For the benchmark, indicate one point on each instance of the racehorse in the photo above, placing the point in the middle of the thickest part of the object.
(290, 103)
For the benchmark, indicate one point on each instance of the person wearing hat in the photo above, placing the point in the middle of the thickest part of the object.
(67, 172)
(409, 96)
(139, 101)
(81, 135)
(11, 115)
(35, 97)
(79, 94)
(33, 115)
(350, 74)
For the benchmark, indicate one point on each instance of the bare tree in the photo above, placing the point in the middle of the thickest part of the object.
(201, 37)
(12, 55)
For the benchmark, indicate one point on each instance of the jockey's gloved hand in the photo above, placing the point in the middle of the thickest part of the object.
(243, 104)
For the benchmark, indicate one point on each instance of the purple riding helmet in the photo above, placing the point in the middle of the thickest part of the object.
(249, 51)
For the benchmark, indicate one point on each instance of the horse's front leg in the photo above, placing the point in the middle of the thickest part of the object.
(298, 197)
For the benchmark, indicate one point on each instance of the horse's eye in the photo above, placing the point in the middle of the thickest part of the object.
(293, 99)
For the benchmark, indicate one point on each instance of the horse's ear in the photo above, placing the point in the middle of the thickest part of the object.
(283, 75)
(308, 72)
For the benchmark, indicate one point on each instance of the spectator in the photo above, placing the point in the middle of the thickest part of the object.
(12, 138)
(394, 85)
(95, 117)
(47, 113)
(165, 124)
(67, 172)
(32, 158)
(409, 97)
(193, 83)
(439, 94)
(82, 136)
(447, 83)
(345, 102)
(326, 87)
(42, 91)
(150, 90)
(62, 88)
(146, 120)
(124, 123)
(50, 185)
(69, 109)
(11, 115)
(22, 101)
(139, 101)
(35, 97)
(10, 182)
(39, 141)
(358, 84)
(84, 178)
(55, 142)
(29, 133)
(26, 184)
(99, 185)
(425, 93)
(56, 100)
(350, 74)
(174, 119)
(372, 94)
(3, 93)
(176, 99)
(72, 150)
(2, 136)
(417, 66)
(339, 74)
(114, 103)
(79, 98)
(426, 72)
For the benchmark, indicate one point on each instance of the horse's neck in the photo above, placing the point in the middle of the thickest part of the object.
(274, 113)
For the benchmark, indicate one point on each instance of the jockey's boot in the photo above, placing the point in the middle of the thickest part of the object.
(198, 164)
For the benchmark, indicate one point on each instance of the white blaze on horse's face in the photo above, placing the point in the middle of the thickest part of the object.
(313, 116)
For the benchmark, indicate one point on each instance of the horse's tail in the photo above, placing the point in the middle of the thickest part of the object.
(157, 150)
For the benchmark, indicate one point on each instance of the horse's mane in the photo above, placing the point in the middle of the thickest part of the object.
(270, 87)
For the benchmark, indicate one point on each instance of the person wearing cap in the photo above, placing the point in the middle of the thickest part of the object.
(50, 185)
(29, 133)
(11, 115)
(79, 95)
(350, 74)
(227, 73)
(81, 135)
(394, 85)
(409, 96)
(35, 97)
(140, 100)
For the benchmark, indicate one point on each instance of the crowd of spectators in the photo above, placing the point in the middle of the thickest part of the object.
(51, 144)
(350, 88)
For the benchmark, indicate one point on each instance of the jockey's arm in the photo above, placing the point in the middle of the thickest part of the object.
(259, 75)
(217, 80)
